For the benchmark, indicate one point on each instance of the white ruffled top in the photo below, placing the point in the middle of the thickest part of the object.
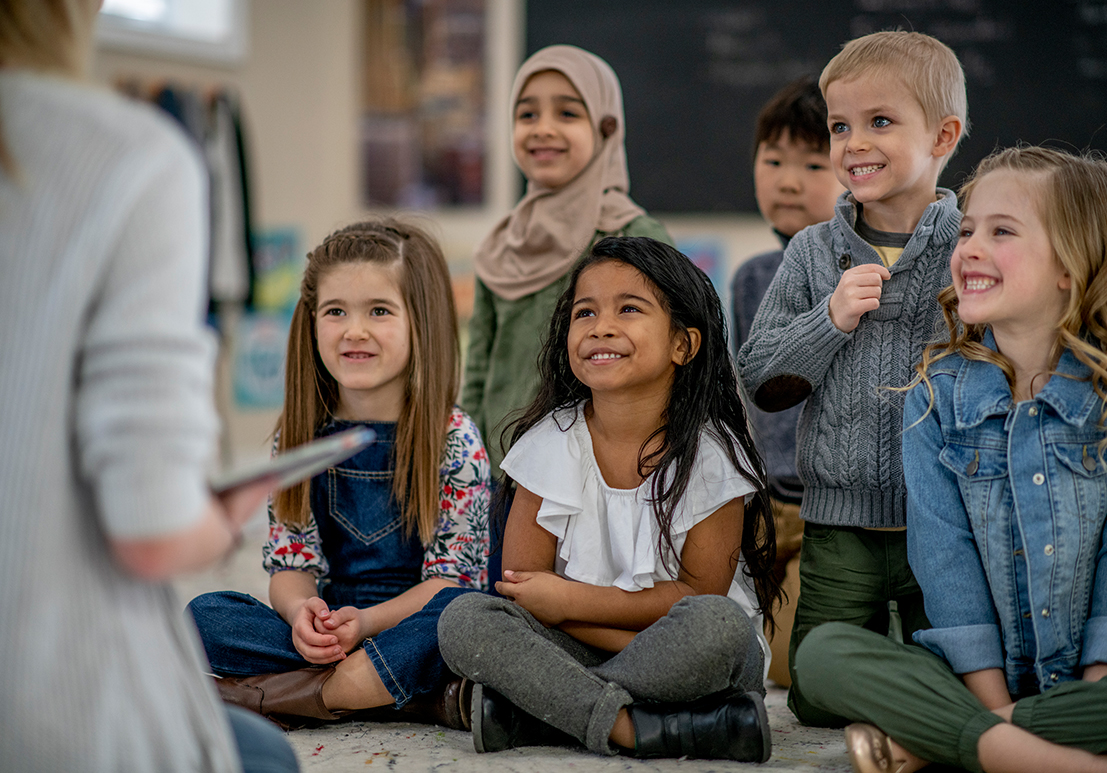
(608, 536)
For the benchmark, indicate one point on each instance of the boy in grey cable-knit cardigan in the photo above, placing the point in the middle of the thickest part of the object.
(849, 311)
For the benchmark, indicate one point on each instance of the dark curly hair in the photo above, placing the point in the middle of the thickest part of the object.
(704, 398)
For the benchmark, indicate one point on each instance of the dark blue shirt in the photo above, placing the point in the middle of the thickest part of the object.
(774, 433)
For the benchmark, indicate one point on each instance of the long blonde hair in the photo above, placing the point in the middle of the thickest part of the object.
(1073, 208)
(311, 393)
(48, 36)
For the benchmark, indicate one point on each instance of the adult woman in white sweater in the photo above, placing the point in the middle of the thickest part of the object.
(107, 423)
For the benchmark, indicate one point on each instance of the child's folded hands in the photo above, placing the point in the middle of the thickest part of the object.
(345, 623)
(315, 643)
(543, 594)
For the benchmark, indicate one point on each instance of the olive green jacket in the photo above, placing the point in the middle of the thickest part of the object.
(501, 364)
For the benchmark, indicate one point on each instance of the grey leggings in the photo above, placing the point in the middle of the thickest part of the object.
(705, 644)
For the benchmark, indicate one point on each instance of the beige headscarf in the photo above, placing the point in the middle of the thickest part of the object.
(549, 229)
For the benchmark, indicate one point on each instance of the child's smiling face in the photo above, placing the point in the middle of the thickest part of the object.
(794, 184)
(553, 138)
(620, 337)
(363, 334)
(1004, 270)
(883, 148)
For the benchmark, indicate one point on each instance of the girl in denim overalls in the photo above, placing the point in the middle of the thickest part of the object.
(364, 557)
(1003, 451)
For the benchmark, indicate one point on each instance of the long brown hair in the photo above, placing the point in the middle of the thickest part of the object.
(311, 393)
(1073, 208)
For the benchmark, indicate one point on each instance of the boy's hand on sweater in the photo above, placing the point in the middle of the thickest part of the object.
(858, 291)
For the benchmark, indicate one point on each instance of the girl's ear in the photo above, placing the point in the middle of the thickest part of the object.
(687, 346)
(1065, 282)
(608, 126)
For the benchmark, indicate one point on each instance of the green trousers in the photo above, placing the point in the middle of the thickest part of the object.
(850, 575)
(913, 696)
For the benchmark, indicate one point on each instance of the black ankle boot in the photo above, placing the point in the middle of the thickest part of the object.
(448, 706)
(723, 726)
(499, 724)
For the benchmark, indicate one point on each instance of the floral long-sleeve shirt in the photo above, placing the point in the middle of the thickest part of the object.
(459, 551)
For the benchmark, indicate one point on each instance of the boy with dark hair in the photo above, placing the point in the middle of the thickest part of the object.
(795, 187)
(849, 311)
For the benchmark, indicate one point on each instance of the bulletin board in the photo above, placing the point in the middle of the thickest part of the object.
(695, 74)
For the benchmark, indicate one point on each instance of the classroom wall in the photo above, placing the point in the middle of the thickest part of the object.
(299, 89)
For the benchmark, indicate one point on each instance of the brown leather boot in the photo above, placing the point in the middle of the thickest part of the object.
(292, 700)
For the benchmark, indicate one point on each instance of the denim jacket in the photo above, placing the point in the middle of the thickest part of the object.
(1005, 522)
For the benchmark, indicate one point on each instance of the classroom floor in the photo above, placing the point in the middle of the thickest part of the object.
(402, 747)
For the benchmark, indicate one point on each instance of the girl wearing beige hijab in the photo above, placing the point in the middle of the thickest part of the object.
(567, 114)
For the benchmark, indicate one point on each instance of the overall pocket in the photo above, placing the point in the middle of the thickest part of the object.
(361, 503)
(364, 536)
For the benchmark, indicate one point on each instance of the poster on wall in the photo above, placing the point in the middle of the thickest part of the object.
(422, 133)
(278, 267)
(261, 336)
(258, 360)
(709, 255)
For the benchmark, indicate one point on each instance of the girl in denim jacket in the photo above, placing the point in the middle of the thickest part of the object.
(364, 557)
(1003, 451)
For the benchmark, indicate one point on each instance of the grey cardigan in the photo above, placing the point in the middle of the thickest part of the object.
(848, 439)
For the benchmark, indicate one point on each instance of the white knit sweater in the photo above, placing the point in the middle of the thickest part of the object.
(107, 428)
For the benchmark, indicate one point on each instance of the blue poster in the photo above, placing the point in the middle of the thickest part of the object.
(709, 255)
(278, 266)
(258, 362)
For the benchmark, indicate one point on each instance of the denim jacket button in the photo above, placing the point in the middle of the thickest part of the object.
(1033, 411)
(1053, 677)
(1039, 479)
(1049, 550)
(1045, 613)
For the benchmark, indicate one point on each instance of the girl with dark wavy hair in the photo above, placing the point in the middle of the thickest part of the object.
(639, 550)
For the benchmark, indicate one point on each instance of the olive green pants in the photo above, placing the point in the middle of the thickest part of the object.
(913, 696)
(850, 575)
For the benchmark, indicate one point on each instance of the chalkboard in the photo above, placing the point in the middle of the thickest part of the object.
(695, 75)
